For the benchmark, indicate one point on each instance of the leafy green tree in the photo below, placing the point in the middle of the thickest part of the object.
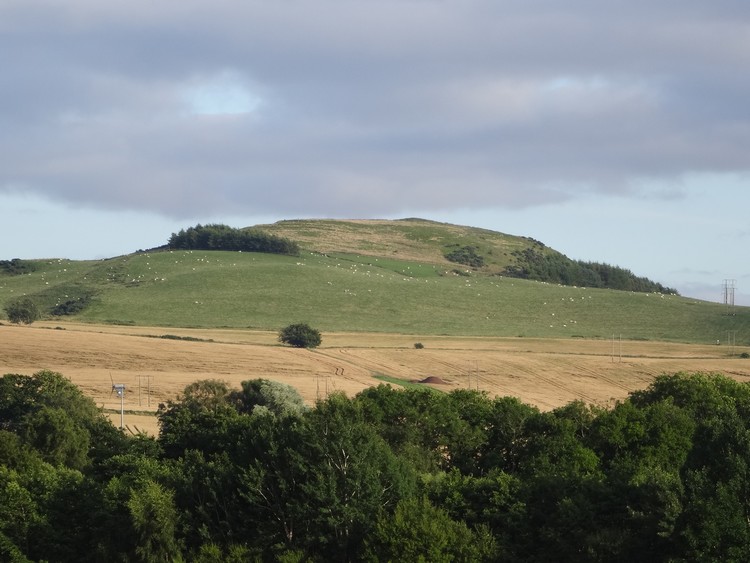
(714, 523)
(416, 423)
(64, 407)
(467, 437)
(353, 477)
(19, 511)
(702, 395)
(212, 553)
(208, 496)
(507, 435)
(222, 237)
(491, 500)
(154, 519)
(300, 335)
(15, 453)
(421, 532)
(22, 311)
(131, 489)
(66, 500)
(60, 441)
(272, 469)
(260, 396)
(199, 419)
(10, 552)
(642, 452)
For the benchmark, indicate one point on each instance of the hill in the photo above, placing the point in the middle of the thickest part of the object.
(454, 246)
(361, 276)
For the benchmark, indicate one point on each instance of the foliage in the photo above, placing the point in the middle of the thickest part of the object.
(56, 436)
(16, 267)
(22, 310)
(466, 255)
(263, 396)
(154, 518)
(222, 237)
(71, 306)
(546, 265)
(268, 291)
(253, 474)
(198, 420)
(421, 532)
(300, 335)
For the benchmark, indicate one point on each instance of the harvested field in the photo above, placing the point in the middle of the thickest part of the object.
(544, 372)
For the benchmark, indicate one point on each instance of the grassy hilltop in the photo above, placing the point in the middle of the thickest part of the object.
(368, 276)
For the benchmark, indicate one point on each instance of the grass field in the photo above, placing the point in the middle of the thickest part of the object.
(357, 293)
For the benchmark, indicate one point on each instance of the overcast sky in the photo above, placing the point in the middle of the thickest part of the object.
(612, 131)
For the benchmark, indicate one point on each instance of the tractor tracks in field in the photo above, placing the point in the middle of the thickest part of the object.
(339, 367)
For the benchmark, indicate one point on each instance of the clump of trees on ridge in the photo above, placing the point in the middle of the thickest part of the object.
(540, 263)
(554, 267)
(253, 474)
(222, 237)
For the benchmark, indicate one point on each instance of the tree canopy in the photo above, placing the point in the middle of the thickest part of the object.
(254, 474)
(22, 310)
(544, 264)
(223, 237)
(300, 335)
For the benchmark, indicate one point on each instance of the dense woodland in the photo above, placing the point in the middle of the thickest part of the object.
(223, 237)
(547, 265)
(407, 475)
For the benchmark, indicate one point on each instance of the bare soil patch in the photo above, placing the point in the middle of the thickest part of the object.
(545, 373)
(432, 380)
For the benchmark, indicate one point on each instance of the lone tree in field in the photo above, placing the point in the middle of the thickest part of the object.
(300, 335)
(22, 311)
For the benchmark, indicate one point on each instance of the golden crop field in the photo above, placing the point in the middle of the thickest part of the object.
(544, 372)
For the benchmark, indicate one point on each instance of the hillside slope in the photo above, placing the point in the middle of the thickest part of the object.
(485, 252)
(367, 276)
(406, 239)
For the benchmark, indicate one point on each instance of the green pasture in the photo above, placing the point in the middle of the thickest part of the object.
(348, 292)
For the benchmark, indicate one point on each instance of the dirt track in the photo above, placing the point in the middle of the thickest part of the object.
(546, 373)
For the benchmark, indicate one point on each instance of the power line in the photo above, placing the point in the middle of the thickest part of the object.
(729, 287)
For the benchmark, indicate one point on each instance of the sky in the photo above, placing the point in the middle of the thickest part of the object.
(611, 131)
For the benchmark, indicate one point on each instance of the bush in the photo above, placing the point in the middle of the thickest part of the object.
(466, 255)
(300, 335)
(16, 267)
(71, 306)
(22, 311)
(418, 345)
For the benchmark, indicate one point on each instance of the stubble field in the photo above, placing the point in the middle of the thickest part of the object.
(546, 373)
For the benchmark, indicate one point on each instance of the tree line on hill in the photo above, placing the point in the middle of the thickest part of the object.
(554, 267)
(253, 474)
(223, 237)
(546, 265)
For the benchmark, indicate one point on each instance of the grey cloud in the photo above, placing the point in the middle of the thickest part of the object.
(366, 107)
